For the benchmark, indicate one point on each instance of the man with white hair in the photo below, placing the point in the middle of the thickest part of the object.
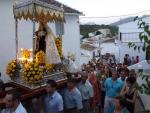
(87, 93)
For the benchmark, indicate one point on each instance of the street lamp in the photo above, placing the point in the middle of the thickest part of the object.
(98, 34)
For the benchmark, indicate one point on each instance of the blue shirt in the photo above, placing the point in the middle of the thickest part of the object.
(112, 109)
(54, 103)
(113, 89)
(73, 99)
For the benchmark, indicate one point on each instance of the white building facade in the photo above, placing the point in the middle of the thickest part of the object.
(129, 32)
(70, 38)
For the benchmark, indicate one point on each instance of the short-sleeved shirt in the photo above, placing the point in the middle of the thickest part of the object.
(113, 89)
(86, 90)
(54, 103)
(20, 109)
(73, 99)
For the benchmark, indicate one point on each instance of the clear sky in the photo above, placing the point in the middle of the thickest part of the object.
(104, 8)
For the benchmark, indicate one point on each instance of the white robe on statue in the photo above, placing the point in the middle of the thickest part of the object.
(52, 55)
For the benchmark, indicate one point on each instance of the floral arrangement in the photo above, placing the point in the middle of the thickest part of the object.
(33, 72)
(58, 42)
(49, 67)
(13, 68)
(40, 57)
(26, 53)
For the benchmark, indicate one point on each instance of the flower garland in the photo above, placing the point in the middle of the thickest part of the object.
(13, 68)
(32, 72)
(58, 42)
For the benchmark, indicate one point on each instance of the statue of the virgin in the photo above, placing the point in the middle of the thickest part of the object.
(46, 42)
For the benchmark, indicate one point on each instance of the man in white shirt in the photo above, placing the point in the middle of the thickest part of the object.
(13, 104)
(87, 93)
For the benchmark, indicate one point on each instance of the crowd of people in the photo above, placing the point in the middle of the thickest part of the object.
(130, 61)
(104, 87)
(116, 84)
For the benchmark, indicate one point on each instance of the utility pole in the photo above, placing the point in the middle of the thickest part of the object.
(99, 41)
(117, 44)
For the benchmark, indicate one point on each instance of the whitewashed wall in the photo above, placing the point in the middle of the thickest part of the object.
(128, 28)
(132, 26)
(87, 53)
(124, 49)
(7, 34)
(71, 37)
(86, 56)
(109, 48)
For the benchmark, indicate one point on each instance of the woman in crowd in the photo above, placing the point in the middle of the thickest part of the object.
(119, 107)
(130, 93)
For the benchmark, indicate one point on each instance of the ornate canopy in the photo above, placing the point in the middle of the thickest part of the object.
(38, 11)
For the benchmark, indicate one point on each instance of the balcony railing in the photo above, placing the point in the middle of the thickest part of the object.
(130, 37)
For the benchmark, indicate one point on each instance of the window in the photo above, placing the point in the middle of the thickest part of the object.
(130, 37)
(59, 28)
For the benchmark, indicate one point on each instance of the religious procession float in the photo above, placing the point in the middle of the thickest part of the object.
(31, 68)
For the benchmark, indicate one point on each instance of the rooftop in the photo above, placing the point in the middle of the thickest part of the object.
(66, 8)
(88, 47)
(127, 20)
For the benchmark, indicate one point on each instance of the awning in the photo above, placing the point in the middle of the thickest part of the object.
(38, 11)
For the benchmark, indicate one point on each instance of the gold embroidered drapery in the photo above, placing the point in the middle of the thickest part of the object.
(38, 11)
